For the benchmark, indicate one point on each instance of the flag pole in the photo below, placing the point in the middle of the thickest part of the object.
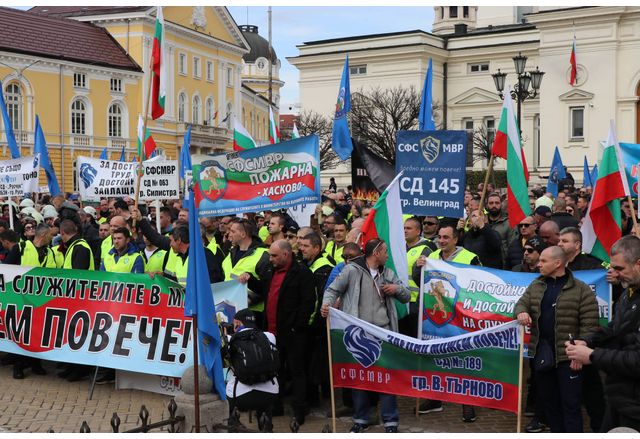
(486, 182)
(10, 214)
(520, 371)
(633, 215)
(333, 395)
(196, 384)
(144, 131)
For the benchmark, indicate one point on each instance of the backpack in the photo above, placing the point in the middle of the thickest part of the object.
(254, 359)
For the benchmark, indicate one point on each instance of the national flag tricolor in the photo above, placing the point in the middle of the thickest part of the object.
(274, 132)
(574, 64)
(241, 138)
(148, 142)
(159, 68)
(602, 225)
(507, 146)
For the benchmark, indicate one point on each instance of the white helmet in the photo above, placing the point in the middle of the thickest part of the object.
(49, 211)
(27, 202)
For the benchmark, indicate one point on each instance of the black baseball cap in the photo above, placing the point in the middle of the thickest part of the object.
(247, 317)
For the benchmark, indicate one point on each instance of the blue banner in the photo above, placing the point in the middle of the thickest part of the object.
(631, 158)
(269, 177)
(434, 172)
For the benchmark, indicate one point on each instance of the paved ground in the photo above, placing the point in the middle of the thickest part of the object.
(40, 403)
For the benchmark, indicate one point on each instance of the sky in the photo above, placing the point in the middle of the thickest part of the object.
(293, 25)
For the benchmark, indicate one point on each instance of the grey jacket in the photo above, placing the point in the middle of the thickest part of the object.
(347, 287)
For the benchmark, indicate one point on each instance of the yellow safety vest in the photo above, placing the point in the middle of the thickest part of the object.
(318, 263)
(154, 263)
(67, 256)
(412, 256)
(28, 254)
(59, 257)
(335, 252)
(213, 246)
(463, 257)
(263, 233)
(107, 244)
(181, 269)
(102, 220)
(124, 264)
(246, 264)
(170, 267)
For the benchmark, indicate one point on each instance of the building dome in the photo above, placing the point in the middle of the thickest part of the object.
(259, 45)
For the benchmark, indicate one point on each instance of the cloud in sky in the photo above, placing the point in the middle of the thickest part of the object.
(293, 26)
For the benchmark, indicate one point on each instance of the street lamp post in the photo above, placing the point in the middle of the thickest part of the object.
(527, 86)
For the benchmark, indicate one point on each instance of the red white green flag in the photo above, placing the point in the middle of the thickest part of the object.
(159, 68)
(385, 222)
(295, 134)
(241, 138)
(274, 132)
(602, 225)
(573, 63)
(148, 142)
(507, 146)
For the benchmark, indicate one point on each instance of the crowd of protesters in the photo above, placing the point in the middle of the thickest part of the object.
(294, 274)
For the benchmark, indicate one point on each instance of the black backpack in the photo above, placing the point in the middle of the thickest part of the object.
(254, 359)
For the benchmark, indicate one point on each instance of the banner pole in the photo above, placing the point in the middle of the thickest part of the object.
(520, 371)
(196, 384)
(144, 133)
(11, 215)
(486, 182)
(633, 215)
(333, 395)
(419, 331)
(158, 204)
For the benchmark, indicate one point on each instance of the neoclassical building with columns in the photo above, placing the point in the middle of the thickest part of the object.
(468, 44)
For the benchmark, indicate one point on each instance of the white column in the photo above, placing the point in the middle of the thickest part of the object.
(222, 99)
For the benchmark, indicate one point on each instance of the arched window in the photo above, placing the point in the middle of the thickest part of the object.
(209, 112)
(182, 107)
(115, 121)
(78, 117)
(14, 99)
(195, 111)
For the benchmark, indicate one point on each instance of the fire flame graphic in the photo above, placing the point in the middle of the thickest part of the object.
(371, 195)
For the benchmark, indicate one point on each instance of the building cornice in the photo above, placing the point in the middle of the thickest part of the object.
(581, 16)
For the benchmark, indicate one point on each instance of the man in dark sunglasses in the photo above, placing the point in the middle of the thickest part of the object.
(532, 249)
(430, 226)
(526, 230)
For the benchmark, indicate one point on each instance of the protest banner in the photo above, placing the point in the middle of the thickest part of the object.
(481, 368)
(458, 299)
(631, 157)
(111, 178)
(19, 176)
(230, 297)
(434, 172)
(269, 177)
(362, 186)
(120, 321)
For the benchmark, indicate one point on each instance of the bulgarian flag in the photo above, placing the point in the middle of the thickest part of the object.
(159, 68)
(385, 222)
(602, 225)
(507, 146)
(574, 64)
(148, 142)
(295, 134)
(241, 138)
(274, 133)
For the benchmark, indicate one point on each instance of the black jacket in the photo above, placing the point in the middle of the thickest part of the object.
(584, 262)
(256, 287)
(296, 300)
(81, 257)
(617, 353)
(485, 243)
(515, 253)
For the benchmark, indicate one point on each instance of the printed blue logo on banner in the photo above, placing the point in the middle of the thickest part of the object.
(434, 172)
(364, 348)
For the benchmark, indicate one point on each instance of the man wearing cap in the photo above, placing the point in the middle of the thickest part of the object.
(527, 229)
(542, 214)
(532, 249)
(260, 397)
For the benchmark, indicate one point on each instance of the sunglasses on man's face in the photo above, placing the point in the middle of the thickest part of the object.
(429, 223)
(524, 225)
(529, 250)
(291, 236)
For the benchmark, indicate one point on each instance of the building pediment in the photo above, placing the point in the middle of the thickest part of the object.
(476, 96)
(576, 95)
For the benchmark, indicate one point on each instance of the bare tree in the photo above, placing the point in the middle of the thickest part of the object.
(482, 143)
(378, 114)
(311, 122)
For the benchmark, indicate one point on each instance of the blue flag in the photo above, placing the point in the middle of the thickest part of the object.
(199, 302)
(40, 147)
(586, 174)
(104, 155)
(556, 173)
(8, 128)
(123, 156)
(594, 175)
(185, 156)
(341, 138)
(425, 118)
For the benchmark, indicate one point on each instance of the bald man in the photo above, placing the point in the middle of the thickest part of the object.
(563, 308)
(549, 232)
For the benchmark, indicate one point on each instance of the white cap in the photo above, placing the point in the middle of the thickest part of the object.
(90, 211)
(27, 202)
(49, 211)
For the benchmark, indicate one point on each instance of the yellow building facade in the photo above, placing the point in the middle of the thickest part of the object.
(84, 107)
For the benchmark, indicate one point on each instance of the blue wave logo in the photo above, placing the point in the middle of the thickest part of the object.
(87, 174)
(365, 348)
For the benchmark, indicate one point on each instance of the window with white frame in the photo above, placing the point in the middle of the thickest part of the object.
(182, 107)
(209, 112)
(209, 70)
(490, 123)
(358, 70)
(229, 77)
(479, 67)
(195, 111)
(577, 123)
(467, 126)
(115, 120)
(182, 63)
(196, 67)
(78, 117)
(14, 98)
(116, 85)
(80, 80)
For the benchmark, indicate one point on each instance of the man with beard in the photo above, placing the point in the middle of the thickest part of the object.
(499, 222)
